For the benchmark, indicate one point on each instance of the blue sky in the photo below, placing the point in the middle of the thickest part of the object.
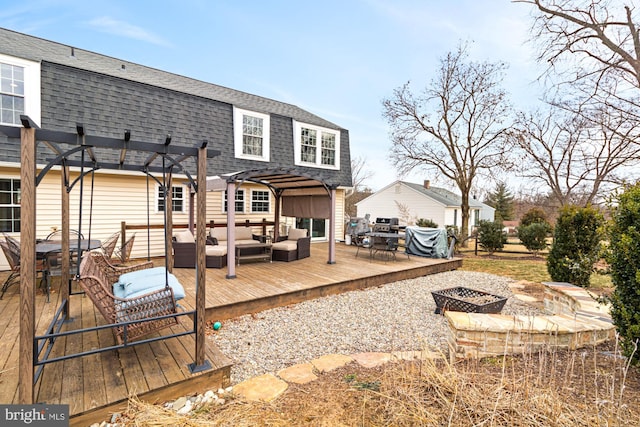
(335, 58)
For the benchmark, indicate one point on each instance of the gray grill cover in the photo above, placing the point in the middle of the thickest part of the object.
(427, 242)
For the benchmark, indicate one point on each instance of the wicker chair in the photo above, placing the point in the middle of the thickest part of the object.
(12, 253)
(57, 235)
(113, 272)
(109, 245)
(145, 308)
(123, 253)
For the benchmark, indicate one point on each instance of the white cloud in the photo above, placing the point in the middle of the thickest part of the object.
(109, 25)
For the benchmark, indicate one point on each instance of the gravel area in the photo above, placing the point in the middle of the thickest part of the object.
(395, 316)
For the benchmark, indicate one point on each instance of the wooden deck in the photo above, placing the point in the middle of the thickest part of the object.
(96, 385)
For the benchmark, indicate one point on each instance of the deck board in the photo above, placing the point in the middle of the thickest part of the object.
(99, 384)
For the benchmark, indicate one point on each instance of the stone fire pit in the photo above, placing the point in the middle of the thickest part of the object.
(467, 300)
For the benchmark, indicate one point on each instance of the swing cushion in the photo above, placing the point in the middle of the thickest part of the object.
(136, 283)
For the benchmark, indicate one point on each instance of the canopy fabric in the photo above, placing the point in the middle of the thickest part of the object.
(427, 242)
(306, 206)
(282, 180)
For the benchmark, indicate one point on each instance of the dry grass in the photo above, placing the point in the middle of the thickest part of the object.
(592, 387)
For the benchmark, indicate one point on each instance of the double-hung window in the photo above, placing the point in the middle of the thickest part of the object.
(9, 205)
(259, 201)
(316, 146)
(19, 90)
(239, 201)
(177, 199)
(251, 135)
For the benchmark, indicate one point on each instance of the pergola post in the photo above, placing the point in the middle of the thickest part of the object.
(168, 208)
(332, 227)
(276, 216)
(200, 363)
(27, 264)
(231, 230)
(65, 224)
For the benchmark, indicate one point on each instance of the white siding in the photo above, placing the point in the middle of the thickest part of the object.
(122, 197)
(386, 203)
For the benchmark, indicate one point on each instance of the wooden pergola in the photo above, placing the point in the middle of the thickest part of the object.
(81, 143)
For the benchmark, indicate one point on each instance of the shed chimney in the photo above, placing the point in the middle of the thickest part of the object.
(427, 184)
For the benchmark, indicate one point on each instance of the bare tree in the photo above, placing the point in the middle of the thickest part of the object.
(455, 127)
(359, 174)
(359, 190)
(599, 41)
(593, 47)
(576, 156)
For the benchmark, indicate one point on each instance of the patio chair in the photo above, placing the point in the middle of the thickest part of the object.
(57, 235)
(12, 253)
(297, 245)
(123, 253)
(145, 308)
(109, 245)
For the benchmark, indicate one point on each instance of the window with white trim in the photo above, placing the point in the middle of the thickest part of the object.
(251, 135)
(19, 90)
(316, 146)
(178, 201)
(239, 202)
(259, 201)
(9, 205)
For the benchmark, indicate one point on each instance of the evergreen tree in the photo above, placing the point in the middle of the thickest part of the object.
(502, 201)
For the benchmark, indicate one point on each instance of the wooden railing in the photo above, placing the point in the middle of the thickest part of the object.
(246, 223)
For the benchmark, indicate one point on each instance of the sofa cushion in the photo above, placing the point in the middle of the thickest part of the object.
(216, 250)
(219, 233)
(285, 245)
(243, 233)
(184, 236)
(297, 233)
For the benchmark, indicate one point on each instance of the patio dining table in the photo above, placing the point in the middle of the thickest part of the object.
(50, 250)
(48, 246)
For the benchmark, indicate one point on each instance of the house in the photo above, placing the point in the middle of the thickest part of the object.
(59, 86)
(409, 202)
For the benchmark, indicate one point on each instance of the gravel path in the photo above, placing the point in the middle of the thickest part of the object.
(396, 316)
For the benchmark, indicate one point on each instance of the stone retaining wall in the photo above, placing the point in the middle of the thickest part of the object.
(578, 321)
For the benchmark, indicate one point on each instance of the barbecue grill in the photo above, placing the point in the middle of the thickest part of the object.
(386, 225)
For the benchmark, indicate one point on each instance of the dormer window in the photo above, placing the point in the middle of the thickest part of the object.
(19, 90)
(316, 146)
(251, 135)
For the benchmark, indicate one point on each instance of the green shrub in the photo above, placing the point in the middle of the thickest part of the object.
(624, 258)
(534, 236)
(423, 222)
(532, 216)
(576, 245)
(491, 236)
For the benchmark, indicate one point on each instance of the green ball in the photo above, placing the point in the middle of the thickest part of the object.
(217, 326)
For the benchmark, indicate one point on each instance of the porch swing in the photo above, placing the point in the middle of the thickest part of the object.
(137, 304)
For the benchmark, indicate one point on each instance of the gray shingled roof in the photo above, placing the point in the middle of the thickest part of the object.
(37, 49)
(443, 196)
